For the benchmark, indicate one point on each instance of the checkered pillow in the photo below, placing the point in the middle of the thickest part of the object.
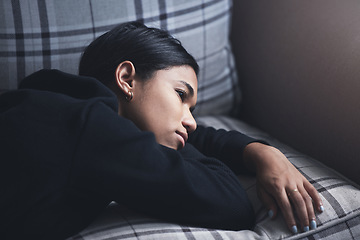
(340, 220)
(52, 34)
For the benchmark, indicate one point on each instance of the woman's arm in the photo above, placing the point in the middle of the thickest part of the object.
(279, 183)
(227, 146)
(116, 160)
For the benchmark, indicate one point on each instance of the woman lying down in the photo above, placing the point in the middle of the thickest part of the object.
(123, 131)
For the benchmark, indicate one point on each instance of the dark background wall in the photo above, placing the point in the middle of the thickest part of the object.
(299, 67)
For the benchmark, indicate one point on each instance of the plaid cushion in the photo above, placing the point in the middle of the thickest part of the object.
(340, 220)
(52, 34)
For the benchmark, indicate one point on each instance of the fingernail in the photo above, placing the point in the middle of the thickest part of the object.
(306, 229)
(294, 229)
(321, 208)
(313, 224)
(271, 213)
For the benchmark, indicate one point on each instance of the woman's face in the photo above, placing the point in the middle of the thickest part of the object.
(163, 105)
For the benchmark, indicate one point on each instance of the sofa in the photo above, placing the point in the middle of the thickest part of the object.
(281, 71)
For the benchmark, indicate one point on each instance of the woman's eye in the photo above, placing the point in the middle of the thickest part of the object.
(181, 94)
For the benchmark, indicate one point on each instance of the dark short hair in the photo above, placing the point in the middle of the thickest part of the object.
(149, 49)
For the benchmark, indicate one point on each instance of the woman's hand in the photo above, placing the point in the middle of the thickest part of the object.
(280, 184)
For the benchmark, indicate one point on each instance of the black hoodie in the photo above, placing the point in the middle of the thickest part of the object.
(65, 154)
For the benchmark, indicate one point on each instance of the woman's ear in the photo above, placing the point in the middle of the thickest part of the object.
(125, 75)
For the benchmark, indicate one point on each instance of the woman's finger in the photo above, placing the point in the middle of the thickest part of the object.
(315, 200)
(304, 209)
(314, 196)
(268, 201)
(287, 210)
(311, 222)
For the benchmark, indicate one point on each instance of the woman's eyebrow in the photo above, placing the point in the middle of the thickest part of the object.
(189, 88)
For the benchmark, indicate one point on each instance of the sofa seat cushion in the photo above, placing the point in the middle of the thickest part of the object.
(341, 199)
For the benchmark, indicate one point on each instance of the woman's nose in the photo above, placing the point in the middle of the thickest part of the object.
(189, 122)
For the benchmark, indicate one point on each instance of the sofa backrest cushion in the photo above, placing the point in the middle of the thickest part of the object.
(52, 34)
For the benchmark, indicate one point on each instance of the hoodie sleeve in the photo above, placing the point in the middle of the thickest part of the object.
(114, 159)
(227, 146)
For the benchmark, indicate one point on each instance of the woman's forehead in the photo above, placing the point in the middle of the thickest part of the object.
(184, 75)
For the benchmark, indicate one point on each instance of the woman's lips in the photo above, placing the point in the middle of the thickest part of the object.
(182, 138)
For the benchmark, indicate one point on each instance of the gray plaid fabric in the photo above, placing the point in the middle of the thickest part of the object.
(36, 34)
(340, 220)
